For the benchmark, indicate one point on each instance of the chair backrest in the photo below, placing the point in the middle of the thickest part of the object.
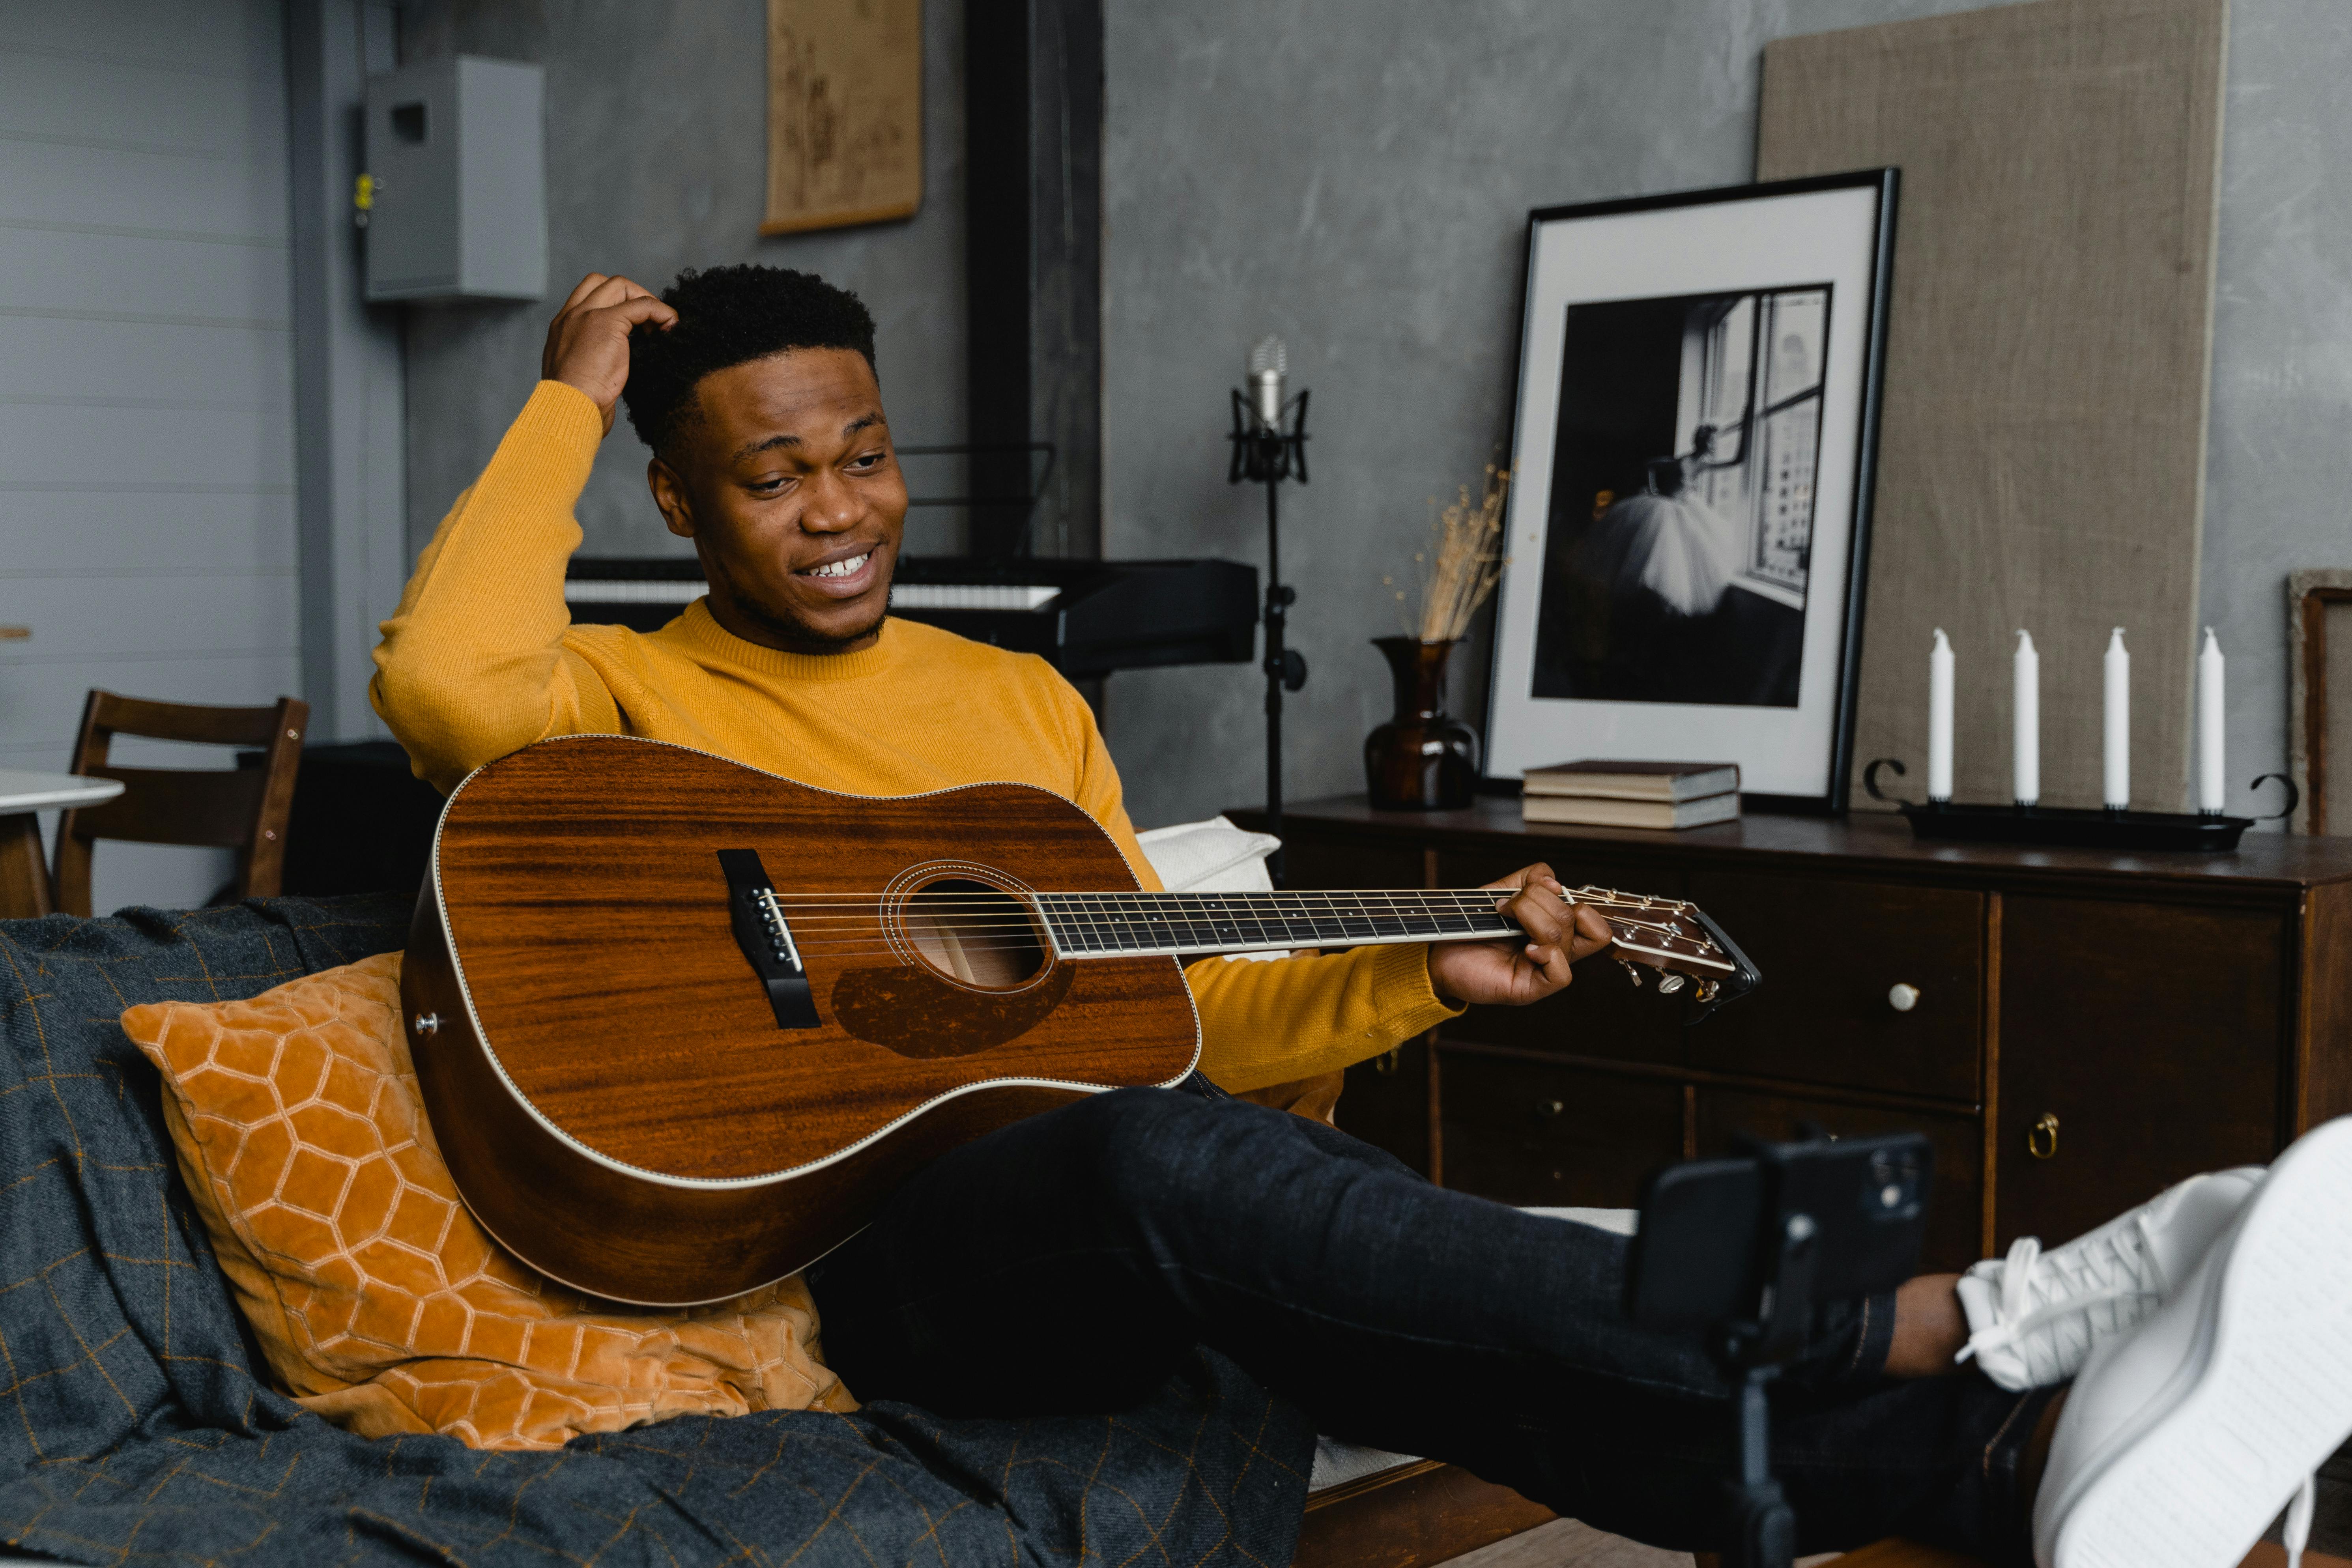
(245, 809)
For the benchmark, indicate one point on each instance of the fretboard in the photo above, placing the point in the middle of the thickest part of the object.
(1091, 925)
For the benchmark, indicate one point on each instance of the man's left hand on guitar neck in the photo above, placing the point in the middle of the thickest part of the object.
(1516, 974)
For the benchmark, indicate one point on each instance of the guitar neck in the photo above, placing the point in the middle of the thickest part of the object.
(1102, 925)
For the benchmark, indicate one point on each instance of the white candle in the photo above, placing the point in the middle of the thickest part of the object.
(2026, 701)
(2118, 724)
(1939, 719)
(2210, 772)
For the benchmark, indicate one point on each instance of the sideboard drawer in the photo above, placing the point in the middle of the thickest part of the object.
(2148, 1033)
(1602, 1013)
(1831, 952)
(1310, 863)
(1956, 1192)
(1528, 1132)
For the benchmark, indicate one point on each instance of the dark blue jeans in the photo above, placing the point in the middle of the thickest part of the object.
(1066, 1263)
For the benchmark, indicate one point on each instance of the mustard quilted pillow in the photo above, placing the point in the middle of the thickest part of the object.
(378, 1301)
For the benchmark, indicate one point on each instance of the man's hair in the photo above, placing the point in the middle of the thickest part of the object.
(728, 316)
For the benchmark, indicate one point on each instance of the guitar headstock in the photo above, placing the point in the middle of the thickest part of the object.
(1675, 937)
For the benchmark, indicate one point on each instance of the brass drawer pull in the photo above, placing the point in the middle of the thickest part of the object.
(1549, 1108)
(2042, 1138)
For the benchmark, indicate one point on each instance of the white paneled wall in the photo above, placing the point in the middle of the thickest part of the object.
(146, 371)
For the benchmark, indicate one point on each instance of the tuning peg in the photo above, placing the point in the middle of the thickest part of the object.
(1669, 984)
(1707, 990)
(1632, 970)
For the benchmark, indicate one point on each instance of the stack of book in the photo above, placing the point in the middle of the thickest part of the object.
(1631, 795)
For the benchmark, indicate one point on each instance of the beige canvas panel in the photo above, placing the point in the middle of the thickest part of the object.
(2042, 455)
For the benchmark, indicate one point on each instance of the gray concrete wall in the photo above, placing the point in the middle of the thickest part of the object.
(656, 137)
(1355, 175)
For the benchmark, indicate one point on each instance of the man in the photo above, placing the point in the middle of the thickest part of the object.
(1069, 1262)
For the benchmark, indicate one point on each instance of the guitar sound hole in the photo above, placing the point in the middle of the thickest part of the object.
(972, 933)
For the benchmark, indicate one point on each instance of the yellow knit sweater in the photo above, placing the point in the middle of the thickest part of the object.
(481, 658)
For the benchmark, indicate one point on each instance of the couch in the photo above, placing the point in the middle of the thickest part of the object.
(133, 1427)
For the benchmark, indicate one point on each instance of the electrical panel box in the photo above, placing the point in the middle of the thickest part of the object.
(456, 163)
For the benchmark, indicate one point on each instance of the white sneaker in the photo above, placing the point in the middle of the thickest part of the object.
(2033, 1316)
(2180, 1442)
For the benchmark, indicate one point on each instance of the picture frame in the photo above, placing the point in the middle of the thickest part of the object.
(2319, 671)
(1695, 437)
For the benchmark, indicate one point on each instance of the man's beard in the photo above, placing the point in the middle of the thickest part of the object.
(791, 628)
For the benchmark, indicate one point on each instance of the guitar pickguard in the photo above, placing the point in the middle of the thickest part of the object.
(918, 1013)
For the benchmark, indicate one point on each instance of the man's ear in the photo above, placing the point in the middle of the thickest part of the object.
(670, 494)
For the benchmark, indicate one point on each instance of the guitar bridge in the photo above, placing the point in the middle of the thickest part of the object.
(766, 939)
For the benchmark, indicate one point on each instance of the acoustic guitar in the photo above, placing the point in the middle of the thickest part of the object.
(680, 1025)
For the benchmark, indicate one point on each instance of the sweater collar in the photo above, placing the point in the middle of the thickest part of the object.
(708, 636)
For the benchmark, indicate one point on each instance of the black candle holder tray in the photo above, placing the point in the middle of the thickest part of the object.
(2071, 825)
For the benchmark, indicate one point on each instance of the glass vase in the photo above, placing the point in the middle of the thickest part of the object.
(1421, 760)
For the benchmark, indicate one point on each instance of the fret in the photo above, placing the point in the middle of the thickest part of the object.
(1256, 930)
(1174, 920)
(1229, 918)
(1105, 930)
(1289, 909)
(1135, 922)
(1072, 919)
(1084, 928)
(1049, 909)
(1124, 915)
(1448, 915)
(1198, 932)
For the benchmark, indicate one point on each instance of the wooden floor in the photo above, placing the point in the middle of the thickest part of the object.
(1569, 1544)
(1566, 1544)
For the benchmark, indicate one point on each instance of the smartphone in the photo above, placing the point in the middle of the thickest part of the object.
(1710, 1228)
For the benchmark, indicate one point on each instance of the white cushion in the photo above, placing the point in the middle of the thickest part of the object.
(1212, 856)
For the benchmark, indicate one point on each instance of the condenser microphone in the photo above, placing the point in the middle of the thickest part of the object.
(1267, 362)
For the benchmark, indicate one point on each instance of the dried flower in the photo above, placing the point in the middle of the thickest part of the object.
(1466, 540)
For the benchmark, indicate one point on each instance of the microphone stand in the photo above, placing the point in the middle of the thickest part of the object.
(1267, 455)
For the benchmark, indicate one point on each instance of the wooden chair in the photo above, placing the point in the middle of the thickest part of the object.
(243, 809)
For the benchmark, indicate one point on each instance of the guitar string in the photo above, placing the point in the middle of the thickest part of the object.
(1208, 918)
(1097, 933)
(1242, 900)
(1065, 942)
(1211, 918)
(1190, 905)
(839, 930)
(1579, 896)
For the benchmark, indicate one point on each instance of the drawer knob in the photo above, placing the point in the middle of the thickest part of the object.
(1903, 998)
(2042, 1138)
(1549, 1108)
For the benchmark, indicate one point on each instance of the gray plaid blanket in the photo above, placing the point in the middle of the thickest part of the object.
(132, 1427)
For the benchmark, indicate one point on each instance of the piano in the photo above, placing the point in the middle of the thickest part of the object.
(1084, 618)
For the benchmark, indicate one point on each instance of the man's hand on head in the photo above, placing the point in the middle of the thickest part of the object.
(588, 342)
(1516, 973)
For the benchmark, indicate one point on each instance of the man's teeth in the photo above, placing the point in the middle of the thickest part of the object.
(843, 568)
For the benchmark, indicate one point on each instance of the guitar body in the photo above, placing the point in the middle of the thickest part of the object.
(619, 1097)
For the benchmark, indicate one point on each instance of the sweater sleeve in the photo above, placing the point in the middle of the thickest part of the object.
(473, 663)
(1267, 1023)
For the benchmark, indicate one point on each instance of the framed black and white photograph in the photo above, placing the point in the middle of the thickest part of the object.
(1689, 515)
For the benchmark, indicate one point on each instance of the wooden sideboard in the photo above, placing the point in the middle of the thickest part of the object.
(2088, 1027)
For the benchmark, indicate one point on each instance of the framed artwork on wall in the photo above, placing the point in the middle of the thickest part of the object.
(1692, 451)
(845, 112)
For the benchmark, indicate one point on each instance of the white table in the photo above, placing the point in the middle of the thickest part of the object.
(24, 874)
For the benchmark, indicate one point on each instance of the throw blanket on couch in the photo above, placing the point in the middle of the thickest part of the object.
(132, 1427)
